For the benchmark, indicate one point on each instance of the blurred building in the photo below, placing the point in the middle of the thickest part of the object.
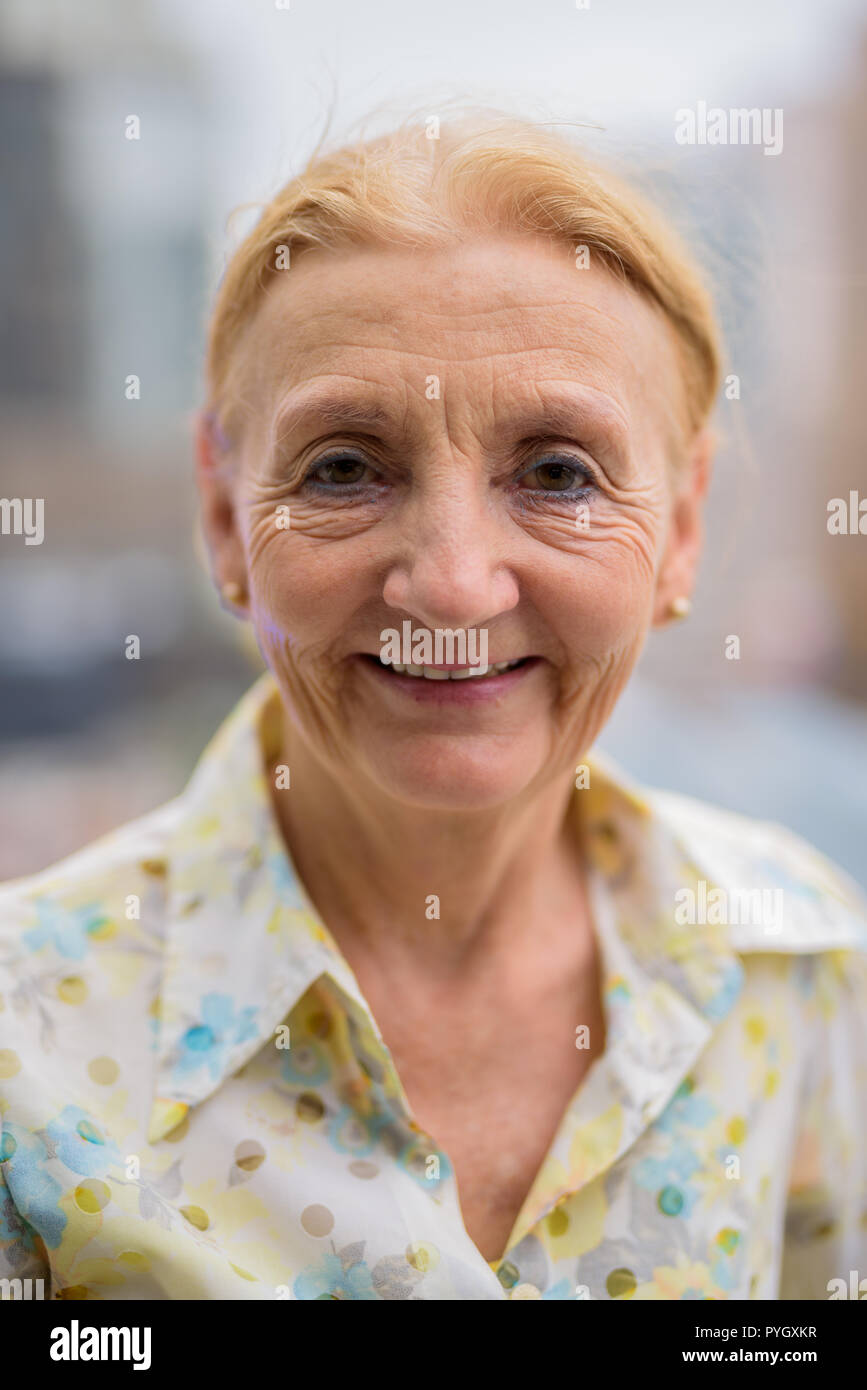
(845, 557)
(103, 271)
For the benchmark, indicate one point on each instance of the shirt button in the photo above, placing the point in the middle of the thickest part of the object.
(525, 1291)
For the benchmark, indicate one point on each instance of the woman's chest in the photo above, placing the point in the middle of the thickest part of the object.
(259, 1198)
(296, 1178)
(495, 1117)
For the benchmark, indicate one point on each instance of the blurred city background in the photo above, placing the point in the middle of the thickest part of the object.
(110, 251)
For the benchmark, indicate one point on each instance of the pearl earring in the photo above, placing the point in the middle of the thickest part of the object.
(232, 591)
(680, 607)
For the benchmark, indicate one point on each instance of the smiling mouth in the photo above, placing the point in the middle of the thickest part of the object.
(449, 673)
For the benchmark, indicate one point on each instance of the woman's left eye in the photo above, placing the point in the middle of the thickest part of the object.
(559, 475)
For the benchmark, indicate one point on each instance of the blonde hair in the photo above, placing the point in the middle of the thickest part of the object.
(479, 173)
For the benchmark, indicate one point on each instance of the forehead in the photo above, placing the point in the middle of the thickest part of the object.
(501, 319)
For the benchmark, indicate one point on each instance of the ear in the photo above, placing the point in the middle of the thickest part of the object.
(677, 571)
(214, 482)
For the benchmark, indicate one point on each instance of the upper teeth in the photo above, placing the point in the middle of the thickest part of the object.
(430, 673)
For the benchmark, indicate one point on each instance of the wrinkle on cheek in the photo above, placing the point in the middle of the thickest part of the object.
(284, 550)
(262, 536)
(613, 674)
(631, 534)
(328, 521)
(310, 687)
(589, 694)
(636, 524)
(332, 522)
(631, 546)
(283, 595)
(616, 555)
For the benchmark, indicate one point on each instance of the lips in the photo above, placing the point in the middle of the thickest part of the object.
(450, 684)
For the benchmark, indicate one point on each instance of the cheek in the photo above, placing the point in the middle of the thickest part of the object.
(605, 592)
(301, 601)
(302, 597)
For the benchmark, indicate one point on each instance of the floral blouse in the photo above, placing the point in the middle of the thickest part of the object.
(197, 1103)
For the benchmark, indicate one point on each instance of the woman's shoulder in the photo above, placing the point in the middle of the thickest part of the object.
(82, 945)
(89, 895)
(767, 874)
(106, 879)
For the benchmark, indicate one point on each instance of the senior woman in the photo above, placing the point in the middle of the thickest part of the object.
(408, 995)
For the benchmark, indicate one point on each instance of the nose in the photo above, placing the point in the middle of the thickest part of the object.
(451, 570)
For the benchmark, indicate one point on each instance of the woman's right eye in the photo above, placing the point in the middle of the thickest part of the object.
(338, 471)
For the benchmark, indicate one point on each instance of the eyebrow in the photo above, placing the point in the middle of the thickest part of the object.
(333, 412)
(582, 414)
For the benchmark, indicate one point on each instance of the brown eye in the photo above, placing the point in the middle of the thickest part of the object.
(343, 469)
(557, 475)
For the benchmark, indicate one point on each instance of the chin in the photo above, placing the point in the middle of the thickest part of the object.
(454, 774)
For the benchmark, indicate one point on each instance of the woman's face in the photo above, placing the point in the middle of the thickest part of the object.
(478, 437)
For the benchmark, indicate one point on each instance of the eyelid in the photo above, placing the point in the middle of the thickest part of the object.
(581, 465)
(336, 455)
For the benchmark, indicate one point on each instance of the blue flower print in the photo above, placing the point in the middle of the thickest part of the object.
(66, 929)
(305, 1065)
(686, 1110)
(781, 877)
(34, 1192)
(351, 1133)
(284, 879)
(669, 1178)
(724, 1271)
(721, 1003)
(562, 1289)
(13, 1229)
(81, 1143)
(416, 1158)
(329, 1279)
(206, 1043)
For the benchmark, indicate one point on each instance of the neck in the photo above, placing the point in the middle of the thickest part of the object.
(402, 886)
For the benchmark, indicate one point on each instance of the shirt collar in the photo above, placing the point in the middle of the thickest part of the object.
(668, 985)
(243, 940)
(664, 988)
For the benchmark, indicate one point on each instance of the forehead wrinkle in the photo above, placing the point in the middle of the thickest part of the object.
(598, 332)
(380, 305)
(548, 307)
(597, 343)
